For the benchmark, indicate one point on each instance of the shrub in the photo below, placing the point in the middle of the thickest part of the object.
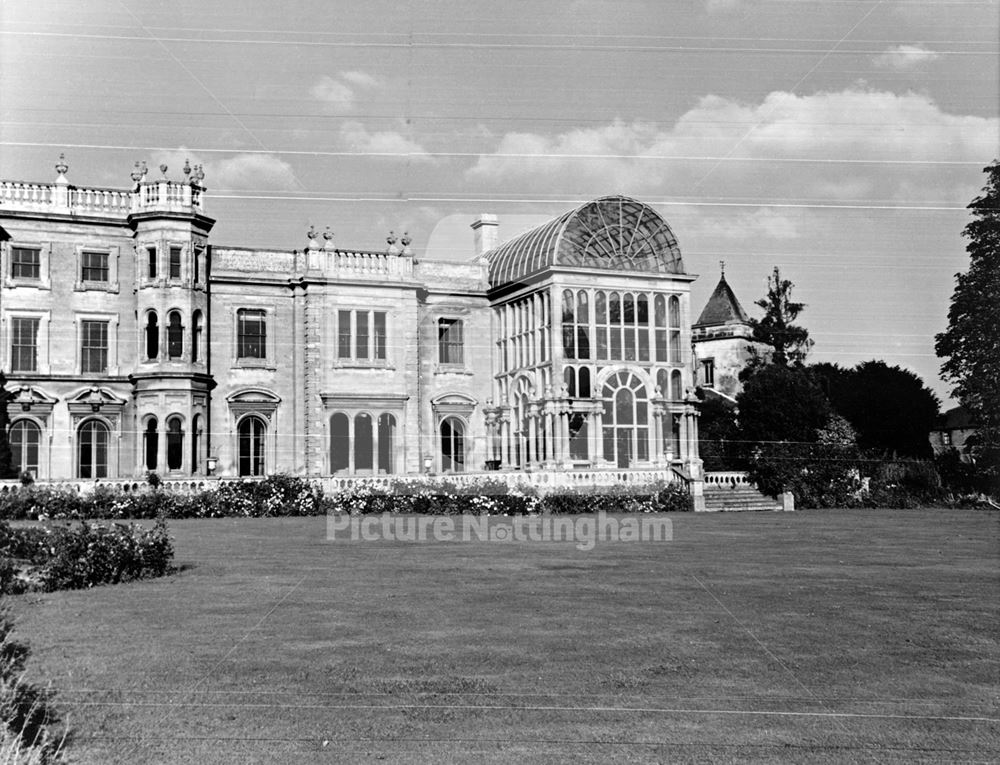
(67, 557)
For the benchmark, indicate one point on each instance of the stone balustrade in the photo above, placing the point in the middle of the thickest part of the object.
(359, 264)
(163, 195)
(727, 478)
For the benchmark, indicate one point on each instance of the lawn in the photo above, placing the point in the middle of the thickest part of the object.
(788, 637)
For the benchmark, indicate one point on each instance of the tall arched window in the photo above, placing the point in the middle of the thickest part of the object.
(250, 447)
(340, 443)
(615, 322)
(152, 336)
(196, 444)
(151, 443)
(386, 443)
(175, 444)
(363, 442)
(675, 330)
(626, 420)
(663, 382)
(196, 336)
(601, 324)
(660, 329)
(578, 436)
(25, 437)
(92, 450)
(452, 445)
(568, 325)
(175, 335)
(676, 385)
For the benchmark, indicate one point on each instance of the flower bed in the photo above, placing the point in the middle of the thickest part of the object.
(75, 556)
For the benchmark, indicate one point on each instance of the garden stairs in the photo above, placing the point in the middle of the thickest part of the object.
(727, 497)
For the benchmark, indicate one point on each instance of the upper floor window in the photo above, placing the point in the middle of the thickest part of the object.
(151, 262)
(93, 266)
(196, 336)
(450, 341)
(708, 372)
(23, 344)
(152, 336)
(175, 335)
(361, 335)
(251, 334)
(175, 263)
(93, 346)
(25, 263)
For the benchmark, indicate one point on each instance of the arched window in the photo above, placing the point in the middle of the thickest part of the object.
(196, 444)
(615, 322)
(629, 332)
(578, 435)
(196, 336)
(452, 445)
(626, 420)
(676, 386)
(152, 336)
(92, 450)
(151, 443)
(340, 443)
(175, 444)
(660, 331)
(583, 387)
(175, 336)
(642, 324)
(25, 437)
(363, 442)
(386, 443)
(250, 449)
(675, 330)
(568, 325)
(663, 382)
(569, 377)
(582, 325)
(601, 322)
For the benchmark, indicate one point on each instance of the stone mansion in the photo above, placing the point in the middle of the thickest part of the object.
(132, 343)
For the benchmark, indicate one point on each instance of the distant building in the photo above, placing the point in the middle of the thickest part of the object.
(133, 343)
(721, 339)
(951, 431)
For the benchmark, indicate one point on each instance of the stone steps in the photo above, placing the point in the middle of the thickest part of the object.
(738, 498)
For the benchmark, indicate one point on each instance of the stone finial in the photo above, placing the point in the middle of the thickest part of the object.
(328, 239)
(405, 241)
(163, 169)
(722, 268)
(198, 174)
(311, 233)
(391, 241)
(137, 172)
(187, 168)
(62, 167)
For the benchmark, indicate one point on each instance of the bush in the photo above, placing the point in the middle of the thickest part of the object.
(58, 557)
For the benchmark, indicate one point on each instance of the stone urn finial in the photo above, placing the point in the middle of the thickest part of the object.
(61, 166)
(163, 169)
(137, 172)
(327, 239)
(187, 168)
(405, 241)
(391, 241)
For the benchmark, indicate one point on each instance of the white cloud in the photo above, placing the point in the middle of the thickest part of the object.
(904, 57)
(339, 94)
(357, 137)
(242, 172)
(751, 151)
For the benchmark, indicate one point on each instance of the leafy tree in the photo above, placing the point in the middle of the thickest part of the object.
(890, 408)
(781, 403)
(971, 344)
(7, 469)
(777, 329)
(717, 432)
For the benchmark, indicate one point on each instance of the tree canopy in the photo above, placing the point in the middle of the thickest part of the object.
(777, 329)
(970, 346)
(781, 403)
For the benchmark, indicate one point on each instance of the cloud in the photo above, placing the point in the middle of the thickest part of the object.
(713, 6)
(242, 172)
(339, 94)
(357, 137)
(887, 145)
(904, 57)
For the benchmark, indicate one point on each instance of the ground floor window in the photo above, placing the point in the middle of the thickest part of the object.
(92, 450)
(251, 435)
(151, 443)
(452, 445)
(175, 444)
(363, 443)
(25, 437)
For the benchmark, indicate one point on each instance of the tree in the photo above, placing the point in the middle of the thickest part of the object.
(781, 403)
(890, 408)
(7, 469)
(777, 329)
(717, 434)
(971, 344)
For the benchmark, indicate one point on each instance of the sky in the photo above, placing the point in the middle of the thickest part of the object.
(839, 140)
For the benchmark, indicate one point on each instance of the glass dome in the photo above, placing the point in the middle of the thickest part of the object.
(614, 233)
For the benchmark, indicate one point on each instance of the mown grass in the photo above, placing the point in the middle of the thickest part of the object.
(813, 636)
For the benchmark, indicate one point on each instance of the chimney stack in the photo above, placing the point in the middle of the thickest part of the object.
(486, 231)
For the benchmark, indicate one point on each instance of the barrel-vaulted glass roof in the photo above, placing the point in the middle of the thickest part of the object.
(615, 233)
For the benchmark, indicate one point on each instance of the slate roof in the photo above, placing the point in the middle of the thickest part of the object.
(722, 307)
